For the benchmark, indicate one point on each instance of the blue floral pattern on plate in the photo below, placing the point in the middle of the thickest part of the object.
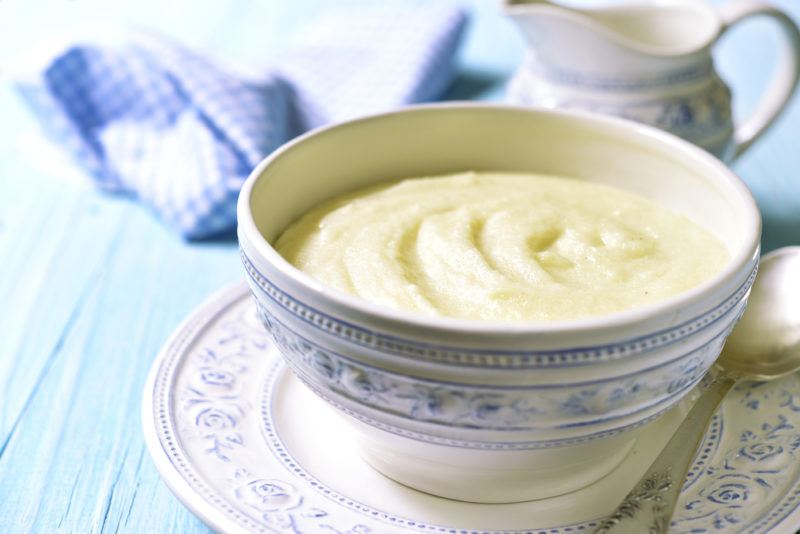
(205, 416)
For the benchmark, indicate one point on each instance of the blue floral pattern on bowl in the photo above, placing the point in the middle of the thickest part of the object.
(397, 401)
(498, 408)
(271, 295)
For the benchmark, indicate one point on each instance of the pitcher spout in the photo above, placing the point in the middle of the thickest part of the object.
(656, 29)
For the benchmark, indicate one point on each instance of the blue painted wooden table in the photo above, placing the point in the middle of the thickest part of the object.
(92, 285)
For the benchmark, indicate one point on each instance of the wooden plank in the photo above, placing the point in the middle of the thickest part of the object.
(79, 440)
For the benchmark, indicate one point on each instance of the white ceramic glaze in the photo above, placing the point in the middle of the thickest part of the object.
(650, 62)
(248, 448)
(541, 408)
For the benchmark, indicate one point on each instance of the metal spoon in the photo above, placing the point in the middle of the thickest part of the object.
(764, 345)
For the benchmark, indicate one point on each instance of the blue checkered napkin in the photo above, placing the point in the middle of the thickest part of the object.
(390, 56)
(181, 132)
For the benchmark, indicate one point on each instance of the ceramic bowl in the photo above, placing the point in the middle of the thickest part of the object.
(491, 411)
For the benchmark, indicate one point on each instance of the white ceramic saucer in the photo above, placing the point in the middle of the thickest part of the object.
(248, 449)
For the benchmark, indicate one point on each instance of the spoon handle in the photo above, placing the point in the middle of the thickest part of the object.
(648, 507)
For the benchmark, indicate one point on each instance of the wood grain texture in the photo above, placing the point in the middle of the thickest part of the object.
(92, 285)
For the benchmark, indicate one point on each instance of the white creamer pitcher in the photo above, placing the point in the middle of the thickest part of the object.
(650, 62)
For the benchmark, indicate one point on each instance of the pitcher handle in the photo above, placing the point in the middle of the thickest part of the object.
(784, 81)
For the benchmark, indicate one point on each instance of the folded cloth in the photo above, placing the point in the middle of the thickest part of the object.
(181, 131)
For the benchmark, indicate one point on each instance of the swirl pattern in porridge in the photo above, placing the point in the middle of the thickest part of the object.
(502, 247)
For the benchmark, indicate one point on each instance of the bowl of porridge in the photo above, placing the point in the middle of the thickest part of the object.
(497, 299)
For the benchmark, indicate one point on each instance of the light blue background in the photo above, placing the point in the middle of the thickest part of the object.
(92, 285)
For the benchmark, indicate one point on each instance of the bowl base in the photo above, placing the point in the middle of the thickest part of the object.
(490, 476)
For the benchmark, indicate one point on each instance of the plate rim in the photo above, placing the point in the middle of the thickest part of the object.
(212, 307)
(200, 316)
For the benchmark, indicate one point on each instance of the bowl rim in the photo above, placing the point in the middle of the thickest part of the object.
(750, 240)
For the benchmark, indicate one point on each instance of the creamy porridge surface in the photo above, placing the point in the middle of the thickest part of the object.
(502, 247)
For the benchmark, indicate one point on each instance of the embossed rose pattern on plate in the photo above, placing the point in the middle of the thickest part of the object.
(211, 430)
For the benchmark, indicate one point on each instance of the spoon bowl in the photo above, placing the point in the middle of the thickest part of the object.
(766, 342)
